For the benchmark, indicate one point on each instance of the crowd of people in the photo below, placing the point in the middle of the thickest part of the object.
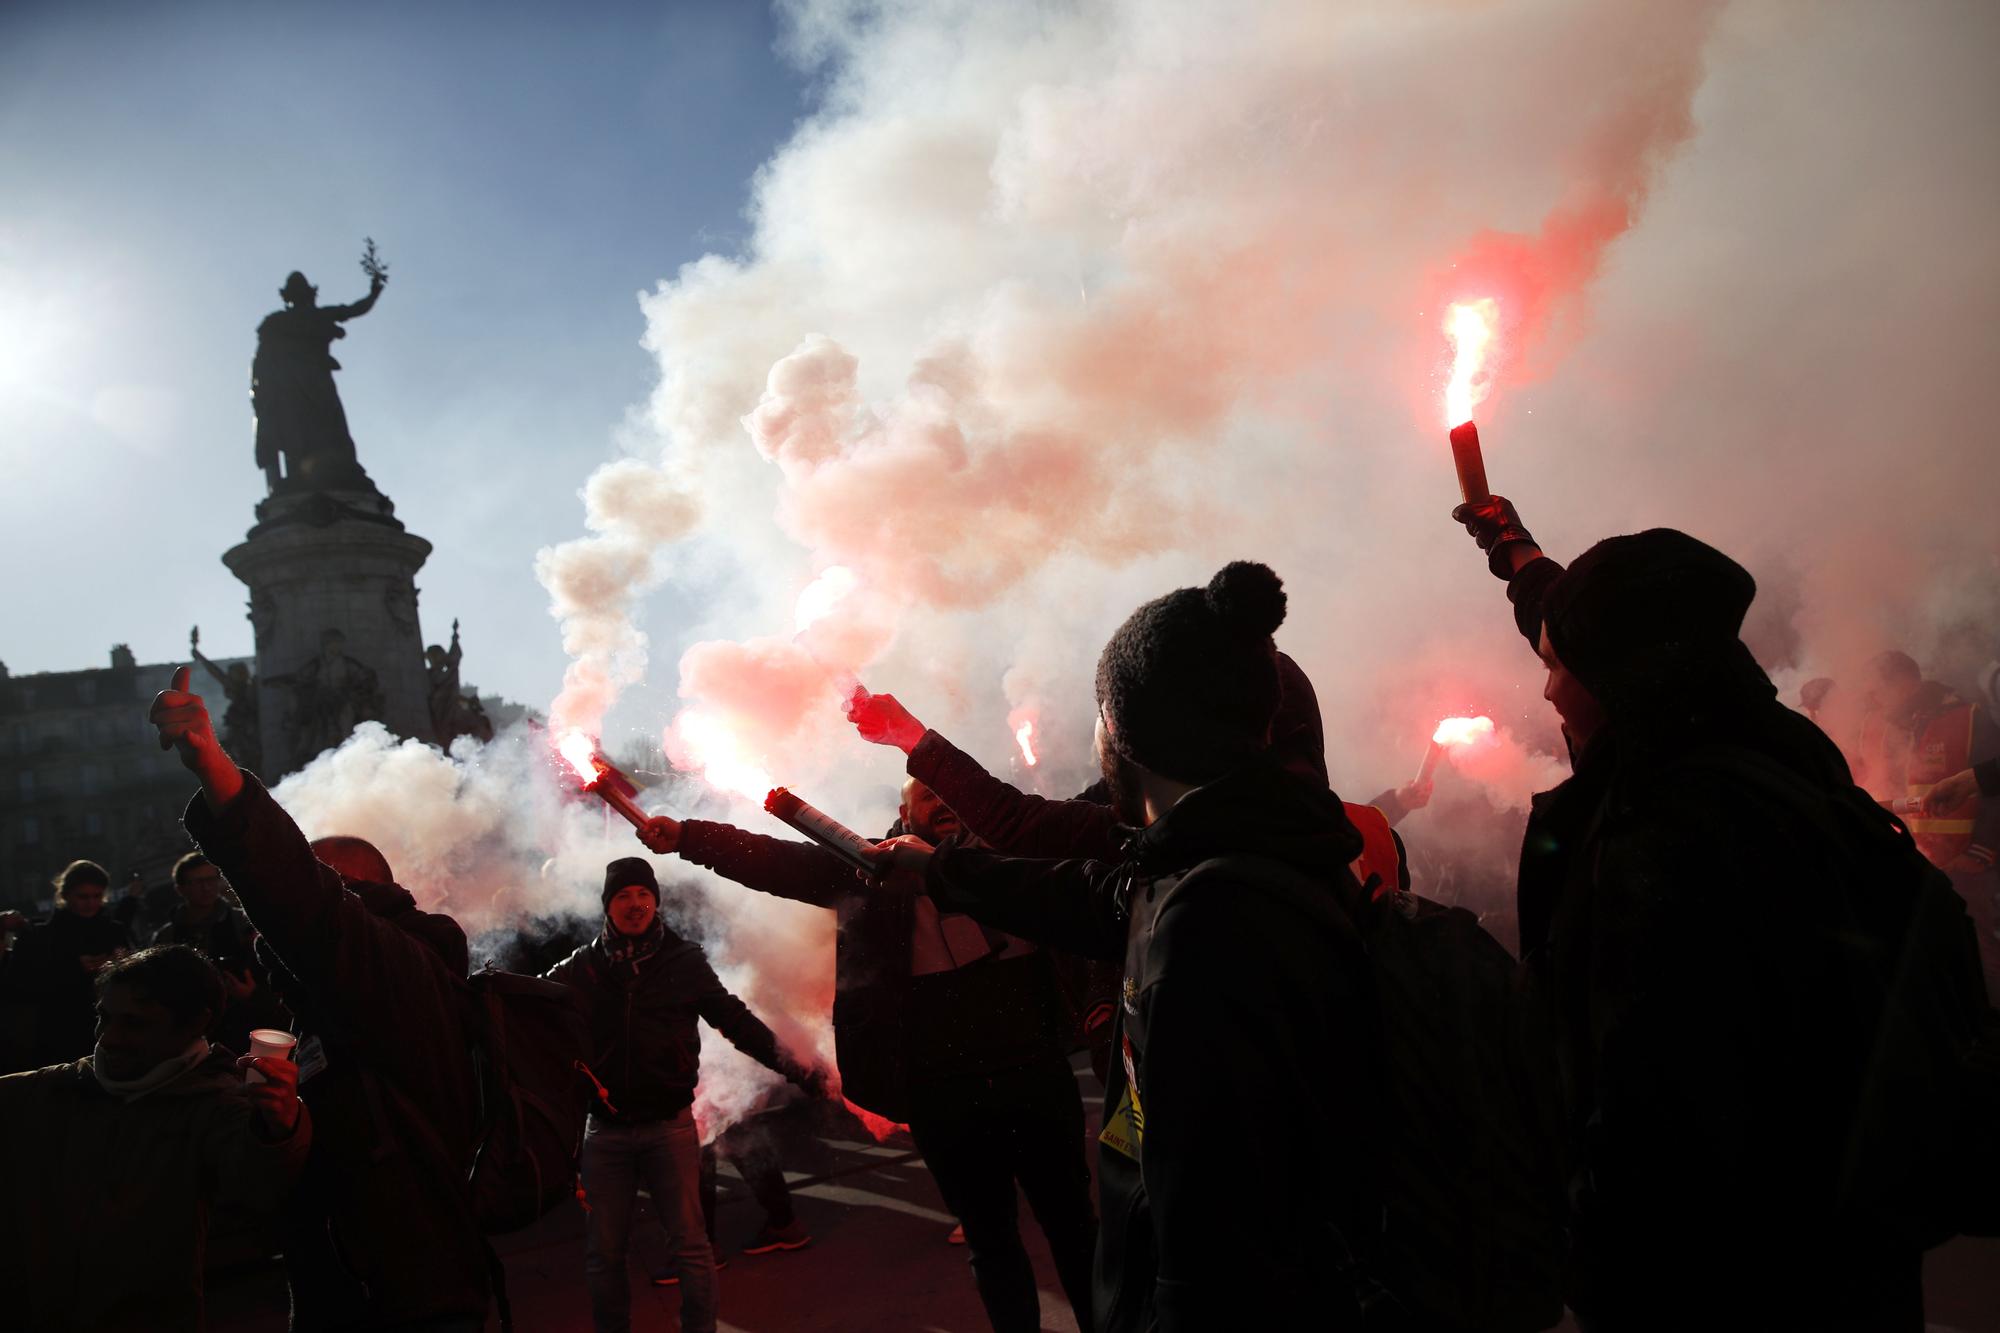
(1742, 1075)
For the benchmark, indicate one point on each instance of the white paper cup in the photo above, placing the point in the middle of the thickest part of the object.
(268, 1041)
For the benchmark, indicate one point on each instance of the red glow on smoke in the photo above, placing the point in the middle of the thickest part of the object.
(879, 1127)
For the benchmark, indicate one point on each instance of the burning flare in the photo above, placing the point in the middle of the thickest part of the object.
(579, 751)
(1024, 736)
(1455, 731)
(819, 598)
(1471, 326)
(713, 750)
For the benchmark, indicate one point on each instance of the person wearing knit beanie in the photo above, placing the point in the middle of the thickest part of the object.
(1188, 685)
(627, 871)
(1691, 905)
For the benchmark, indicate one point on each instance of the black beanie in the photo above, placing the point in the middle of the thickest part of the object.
(628, 870)
(1189, 683)
(1643, 621)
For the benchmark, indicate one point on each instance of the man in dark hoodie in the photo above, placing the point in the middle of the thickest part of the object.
(1696, 933)
(378, 1234)
(643, 987)
(953, 1030)
(1225, 1170)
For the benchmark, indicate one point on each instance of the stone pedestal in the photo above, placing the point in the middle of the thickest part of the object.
(333, 602)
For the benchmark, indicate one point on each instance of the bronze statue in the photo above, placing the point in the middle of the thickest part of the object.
(299, 417)
(240, 731)
(454, 712)
(330, 694)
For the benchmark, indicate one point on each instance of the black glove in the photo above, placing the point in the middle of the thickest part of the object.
(1495, 526)
(812, 1081)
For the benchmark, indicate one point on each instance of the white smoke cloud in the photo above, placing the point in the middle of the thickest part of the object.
(1050, 308)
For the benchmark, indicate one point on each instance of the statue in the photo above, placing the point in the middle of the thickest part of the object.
(240, 732)
(330, 694)
(299, 417)
(454, 712)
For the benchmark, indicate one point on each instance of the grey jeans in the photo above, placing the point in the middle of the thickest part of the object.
(665, 1157)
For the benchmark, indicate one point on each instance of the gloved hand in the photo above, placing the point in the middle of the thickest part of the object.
(1495, 526)
(811, 1080)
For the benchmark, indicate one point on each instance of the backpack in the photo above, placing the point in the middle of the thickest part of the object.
(531, 1037)
(1470, 1177)
(1467, 1166)
(1922, 1159)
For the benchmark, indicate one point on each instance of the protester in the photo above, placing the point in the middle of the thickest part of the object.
(378, 1233)
(204, 921)
(1229, 1198)
(953, 1030)
(1694, 928)
(756, 1146)
(51, 963)
(1921, 734)
(116, 1160)
(644, 987)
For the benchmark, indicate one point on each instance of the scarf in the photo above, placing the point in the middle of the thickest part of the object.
(621, 949)
(161, 1074)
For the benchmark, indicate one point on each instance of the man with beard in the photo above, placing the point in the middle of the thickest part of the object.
(1704, 946)
(953, 1030)
(1229, 1169)
(117, 1161)
(643, 987)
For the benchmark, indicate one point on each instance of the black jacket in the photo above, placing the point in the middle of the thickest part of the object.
(1226, 1176)
(1689, 926)
(45, 967)
(645, 1047)
(375, 1236)
(890, 1028)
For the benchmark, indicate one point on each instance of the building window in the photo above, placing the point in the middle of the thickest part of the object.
(86, 779)
(86, 692)
(93, 824)
(27, 784)
(31, 830)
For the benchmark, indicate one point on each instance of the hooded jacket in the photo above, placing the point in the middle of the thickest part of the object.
(1225, 1185)
(891, 1029)
(1694, 933)
(376, 1235)
(46, 966)
(109, 1200)
(645, 1047)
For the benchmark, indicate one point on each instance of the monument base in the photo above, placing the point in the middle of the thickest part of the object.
(333, 604)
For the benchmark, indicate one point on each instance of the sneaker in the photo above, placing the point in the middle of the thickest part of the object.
(790, 1237)
(674, 1279)
(957, 1236)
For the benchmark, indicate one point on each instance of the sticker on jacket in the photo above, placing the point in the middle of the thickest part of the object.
(1125, 1128)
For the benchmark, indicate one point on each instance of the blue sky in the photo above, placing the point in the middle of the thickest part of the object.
(527, 170)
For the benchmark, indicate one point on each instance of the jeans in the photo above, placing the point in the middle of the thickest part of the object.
(980, 1135)
(665, 1156)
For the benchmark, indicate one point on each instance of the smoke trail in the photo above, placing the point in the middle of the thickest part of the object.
(1047, 309)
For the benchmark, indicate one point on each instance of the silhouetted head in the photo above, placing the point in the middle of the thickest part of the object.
(239, 674)
(81, 887)
(198, 881)
(925, 815)
(1894, 680)
(151, 1006)
(297, 291)
(436, 656)
(357, 859)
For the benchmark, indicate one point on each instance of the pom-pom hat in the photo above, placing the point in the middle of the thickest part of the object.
(1189, 683)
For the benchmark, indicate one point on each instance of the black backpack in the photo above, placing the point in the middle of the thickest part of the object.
(1470, 1176)
(1922, 1157)
(532, 1036)
(529, 1037)
(1467, 1166)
